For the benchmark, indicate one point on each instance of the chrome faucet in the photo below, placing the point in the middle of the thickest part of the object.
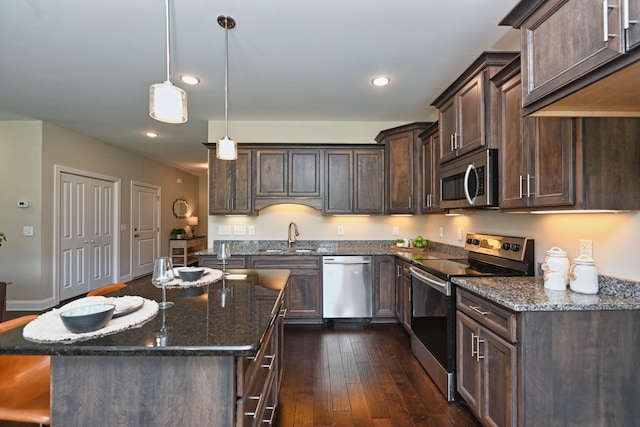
(292, 237)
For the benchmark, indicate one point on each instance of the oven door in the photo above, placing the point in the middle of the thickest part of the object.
(430, 312)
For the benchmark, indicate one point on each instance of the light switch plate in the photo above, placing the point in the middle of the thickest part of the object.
(27, 230)
(251, 230)
(239, 230)
(224, 230)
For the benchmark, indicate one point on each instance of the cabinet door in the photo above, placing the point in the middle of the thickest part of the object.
(564, 40)
(230, 184)
(384, 289)
(447, 125)
(470, 109)
(272, 177)
(513, 153)
(631, 24)
(431, 174)
(468, 372)
(304, 297)
(368, 181)
(304, 173)
(398, 279)
(552, 153)
(400, 166)
(499, 377)
(338, 192)
(406, 296)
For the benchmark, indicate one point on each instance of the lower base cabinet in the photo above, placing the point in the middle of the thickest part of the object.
(384, 289)
(547, 368)
(403, 293)
(303, 298)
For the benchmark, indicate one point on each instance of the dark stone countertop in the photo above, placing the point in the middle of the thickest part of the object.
(529, 294)
(197, 325)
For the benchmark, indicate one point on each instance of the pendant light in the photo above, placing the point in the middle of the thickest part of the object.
(226, 149)
(167, 103)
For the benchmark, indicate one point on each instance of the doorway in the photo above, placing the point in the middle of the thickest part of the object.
(145, 227)
(87, 255)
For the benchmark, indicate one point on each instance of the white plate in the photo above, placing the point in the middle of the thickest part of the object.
(127, 304)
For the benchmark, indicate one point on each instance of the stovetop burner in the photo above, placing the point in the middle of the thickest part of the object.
(488, 255)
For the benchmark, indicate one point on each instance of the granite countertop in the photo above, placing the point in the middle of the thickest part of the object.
(529, 294)
(199, 324)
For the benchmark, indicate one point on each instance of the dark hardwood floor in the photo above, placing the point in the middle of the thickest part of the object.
(350, 374)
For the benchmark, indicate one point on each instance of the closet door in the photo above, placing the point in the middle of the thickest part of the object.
(86, 234)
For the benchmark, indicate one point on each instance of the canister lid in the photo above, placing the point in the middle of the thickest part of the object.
(556, 251)
(584, 260)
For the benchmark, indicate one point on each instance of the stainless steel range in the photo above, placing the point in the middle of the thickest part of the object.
(433, 319)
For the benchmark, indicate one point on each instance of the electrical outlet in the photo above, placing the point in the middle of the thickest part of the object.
(396, 231)
(586, 248)
(27, 230)
(340, 230)
(251, 230)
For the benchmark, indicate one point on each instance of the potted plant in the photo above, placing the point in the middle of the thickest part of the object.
(177, 233)
(3, 238)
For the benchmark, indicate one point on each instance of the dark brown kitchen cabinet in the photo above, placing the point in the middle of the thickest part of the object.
(354, 181)
(287, 173)
(402, 167)
(230, 184)
(430, 170)
(567, 45)
(467, 108)
(547, 368)
(403, 293)
(384, 288)
(212, 261)
(303, 298)
(557, 162)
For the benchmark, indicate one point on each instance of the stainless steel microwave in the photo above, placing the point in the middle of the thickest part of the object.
(470, 181)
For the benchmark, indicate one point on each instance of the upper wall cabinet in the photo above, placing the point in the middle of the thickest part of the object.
(467, 108)
(354, 181)
(579, 57)
(403, 167)
(564, 163)
(430, 150)
(282, 174)
(230, 184)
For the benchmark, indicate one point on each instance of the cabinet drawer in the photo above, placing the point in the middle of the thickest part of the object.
(253, 370)
(496, 318)
(293, 262)
(193, 243)
(213, 262)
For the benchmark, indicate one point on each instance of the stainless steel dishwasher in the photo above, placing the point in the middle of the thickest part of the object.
(346, 287)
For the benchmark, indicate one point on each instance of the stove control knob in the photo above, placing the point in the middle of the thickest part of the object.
(515, 247)
(506, 246)
(476, 242)
(469, 240)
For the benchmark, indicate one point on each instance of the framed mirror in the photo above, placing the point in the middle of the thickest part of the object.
(181, 208)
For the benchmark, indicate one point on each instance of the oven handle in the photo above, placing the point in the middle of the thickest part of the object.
(432, 281)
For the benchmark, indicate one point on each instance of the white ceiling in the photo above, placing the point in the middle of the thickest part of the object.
(87, 65)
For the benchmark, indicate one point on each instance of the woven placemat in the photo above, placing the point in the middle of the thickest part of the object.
(210, 275)
(48, 327)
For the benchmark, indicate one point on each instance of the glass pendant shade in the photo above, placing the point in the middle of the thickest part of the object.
(167, 103)
(226, 149)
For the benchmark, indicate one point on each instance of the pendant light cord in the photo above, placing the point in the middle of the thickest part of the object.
(166, 17)
(226, 78)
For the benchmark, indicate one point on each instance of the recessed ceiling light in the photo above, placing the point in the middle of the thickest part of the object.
(189, 79)
(151, 134)
(380, 81)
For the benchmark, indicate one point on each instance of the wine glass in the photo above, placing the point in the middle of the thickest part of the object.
(224, 254)
(162, 274)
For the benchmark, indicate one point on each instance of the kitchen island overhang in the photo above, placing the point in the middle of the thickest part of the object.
(207, 358)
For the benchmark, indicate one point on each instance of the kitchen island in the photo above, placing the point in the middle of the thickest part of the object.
(528, 356)
(213, 359)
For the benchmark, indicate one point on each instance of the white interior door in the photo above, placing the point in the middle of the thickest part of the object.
(145, 225)
(86, 237)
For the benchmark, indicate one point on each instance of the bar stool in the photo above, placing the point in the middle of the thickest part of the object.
(106, 289)
(25, 383)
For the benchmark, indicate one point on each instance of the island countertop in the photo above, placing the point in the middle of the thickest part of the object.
(199, 324)
(529, 294)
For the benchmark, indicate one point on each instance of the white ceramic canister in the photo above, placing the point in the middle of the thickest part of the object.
(556, 264)
(583, 276)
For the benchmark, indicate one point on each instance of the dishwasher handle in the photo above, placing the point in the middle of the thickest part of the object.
(342, 262)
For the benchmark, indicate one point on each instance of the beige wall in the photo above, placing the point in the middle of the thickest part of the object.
(51, 146)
